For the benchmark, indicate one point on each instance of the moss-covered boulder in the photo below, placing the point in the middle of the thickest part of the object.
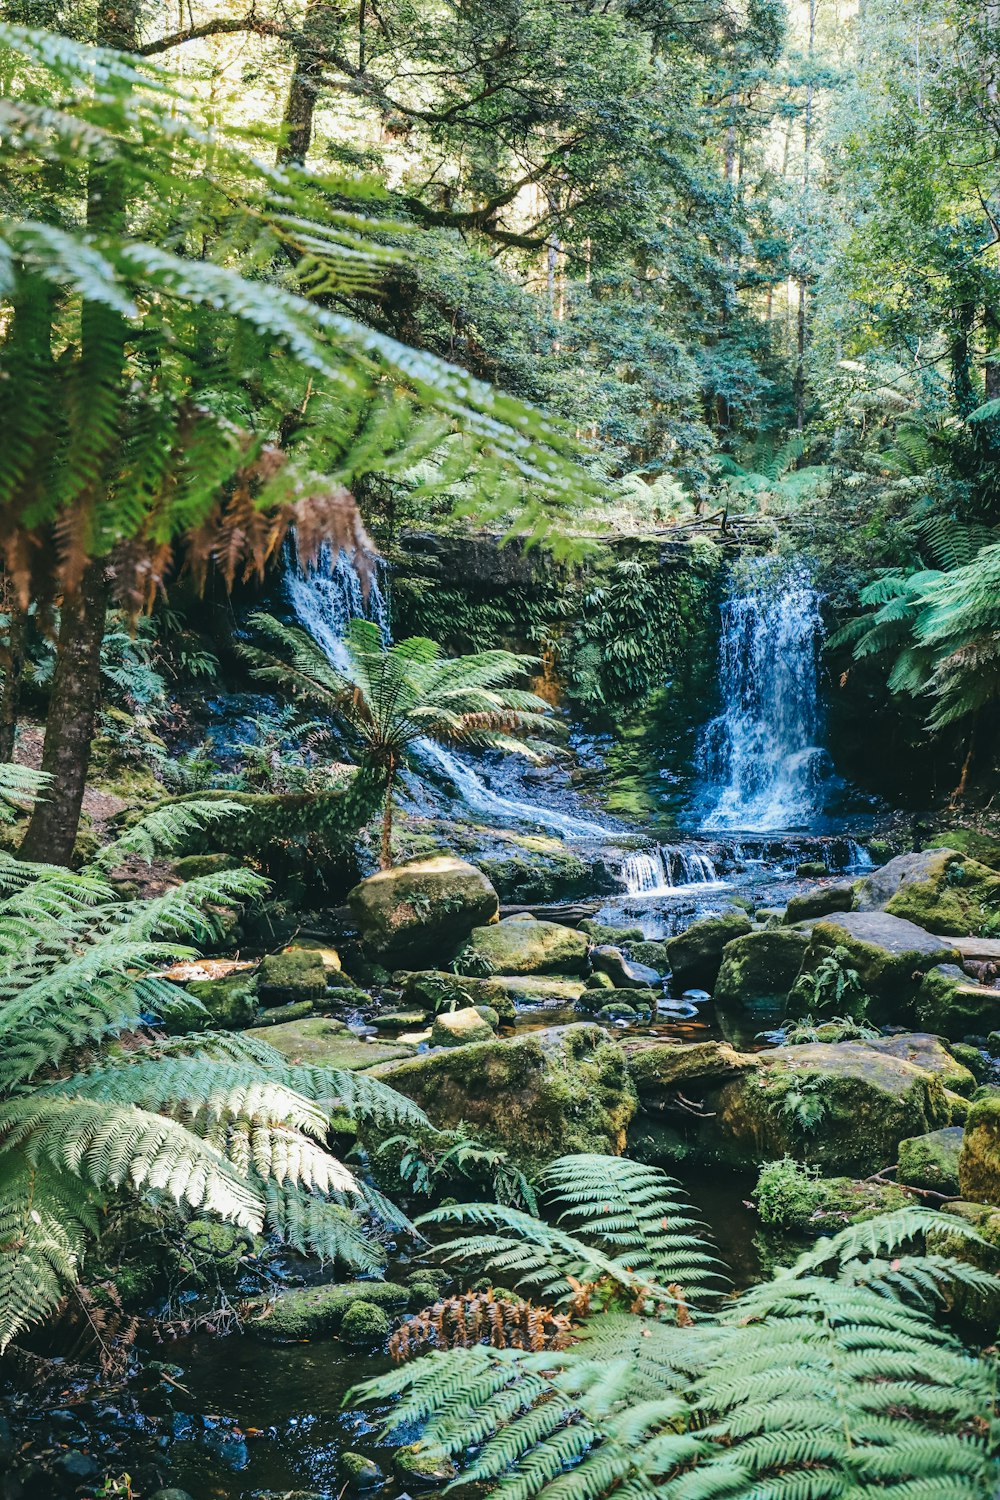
(435, 990)
(889, 955)
(422, 911)
(792, 1196)
(521, 945)
(297, 974)
(696, 954)
(365, 1325)
(594, 1002)
(545, 990)
(941, 890)
(556, 1090)
(422, 1467)
(982, 847)
(326, 1043)
(280, 1015)
(759, 969)
(840, 1105)
(659, 1068)
(953, 1005)
(819, 902)
(979, 1159)
(978, 1306)
(358, 1473)
(811, 869)
(230, 1004)
(537, 870)
(619, 937)
(316, 1312)
(930, 1053)
(457, 1028)
(931, 1161)
(651, 952)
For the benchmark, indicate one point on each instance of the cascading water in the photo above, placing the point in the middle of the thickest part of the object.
(760, 763)
(325, 598)
(667, 869)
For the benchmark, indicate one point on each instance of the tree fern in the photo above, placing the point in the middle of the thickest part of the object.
(217, 1124)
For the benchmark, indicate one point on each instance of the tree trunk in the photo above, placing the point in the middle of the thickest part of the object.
(385, 853)
(69, 729)
(307, 80)
(13, 664)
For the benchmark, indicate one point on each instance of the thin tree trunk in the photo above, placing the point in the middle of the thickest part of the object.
(13, 662)
(69, 729)
(385, 854)
(307, 80)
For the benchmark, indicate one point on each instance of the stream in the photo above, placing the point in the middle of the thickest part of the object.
(234, 1418)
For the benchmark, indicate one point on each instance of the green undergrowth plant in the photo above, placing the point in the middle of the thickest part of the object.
(97, 1105)
(835, 984)
(835, 1380)
(836, 1029)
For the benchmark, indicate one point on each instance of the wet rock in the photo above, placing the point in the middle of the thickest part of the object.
(171, 1493)
(329, 1044)
(556, 1090)
(696, 954)
(75, 1465)
(979, 1160)
(422, 910)
(392, 1022)
(625, 973)
(618, 1010)
(618, 937)
(953, 1005)
(457, 1028)
(639, 1002)
(599, 981)
(889, 955)
(318, 1311)
(931, 1161)
(653, 954)
(529, 989)
(280, 1015)
(523, 946)
(819, 902)
(811, 869)
(759, 969)
(840, 1104)
(359, 1473)
(941, 890)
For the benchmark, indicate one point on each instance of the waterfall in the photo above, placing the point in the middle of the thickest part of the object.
(760, 763)
(325, 598)
(666, 869)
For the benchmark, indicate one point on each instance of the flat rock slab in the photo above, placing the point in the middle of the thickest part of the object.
(975, 949)
(894, 934)
(329, 1044)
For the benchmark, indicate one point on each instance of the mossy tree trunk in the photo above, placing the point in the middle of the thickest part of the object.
(385, 853)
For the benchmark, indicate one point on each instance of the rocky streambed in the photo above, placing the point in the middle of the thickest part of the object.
(839, 1029)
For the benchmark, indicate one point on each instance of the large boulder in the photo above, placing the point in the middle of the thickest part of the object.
(931, 1161)
(889, 955)
(522, 945)
(696, 954)
(941, 890)
(929, 1053)
(953, 1005)
(983, 847)
(842, 1105)
(423, 910)
(759, 969)
(819, 902)
(979, 1159)
(556, 1090)
(626, 973)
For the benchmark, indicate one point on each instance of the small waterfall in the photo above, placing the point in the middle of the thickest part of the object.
(760, 762)
(667, 869)
(325, 598)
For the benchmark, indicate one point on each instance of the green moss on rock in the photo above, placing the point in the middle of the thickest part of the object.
(889, 955)
(953, 1005)
(435, 990)
(329, 1044)
(931, 1161)
(231, 1003)
(979, 1161)
(556, 1090)
(459, 1028)
(982, 847)
(423, 910)
(941, 890)
(819, 902)
(295, 975)
(759, 969)
(318, 1311)
(365, 1325)
(792, 1196)
(521, 945)
(695, 955)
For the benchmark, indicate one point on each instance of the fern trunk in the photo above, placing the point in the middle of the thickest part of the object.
(69, 728)
(385, 855)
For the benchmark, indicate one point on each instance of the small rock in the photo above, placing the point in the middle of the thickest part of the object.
(358, 1472)
(624, 972)
(423, 1467)
(364, 1325)
(819, 902)
(455, 1028)
(931, 1161)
